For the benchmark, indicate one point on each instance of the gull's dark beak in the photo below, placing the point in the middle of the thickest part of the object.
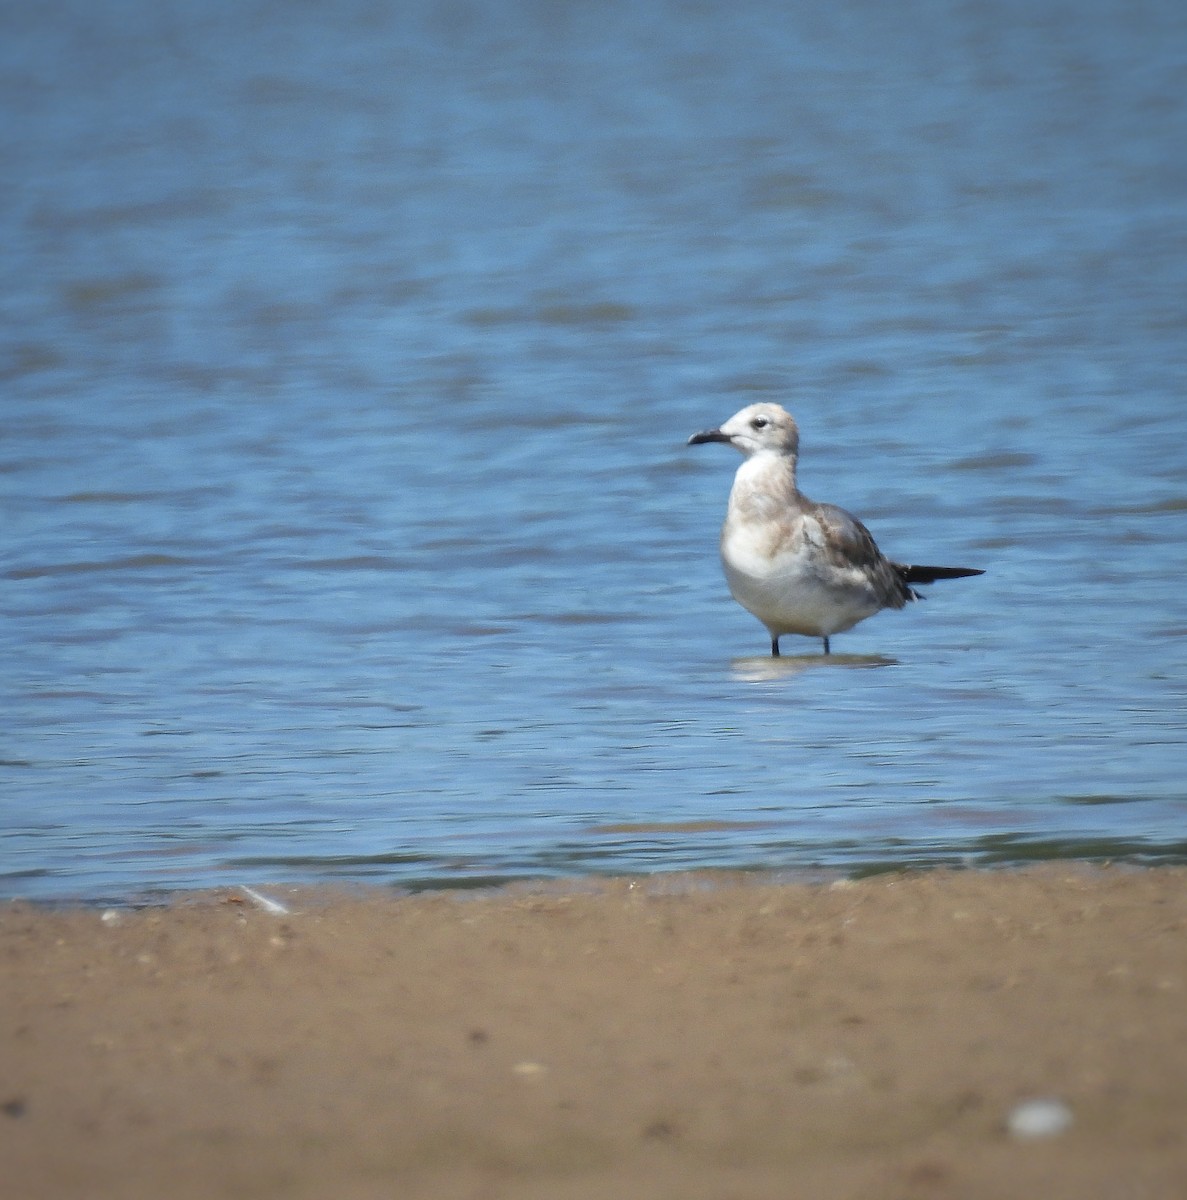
(708, 435)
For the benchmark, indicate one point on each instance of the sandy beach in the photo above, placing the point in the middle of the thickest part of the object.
(679, 1036)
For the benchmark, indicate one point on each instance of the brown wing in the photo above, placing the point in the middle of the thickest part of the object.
(850, 544)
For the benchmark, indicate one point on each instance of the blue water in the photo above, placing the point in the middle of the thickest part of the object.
(348, 357)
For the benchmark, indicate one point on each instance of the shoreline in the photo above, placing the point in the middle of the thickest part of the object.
(688, 1035)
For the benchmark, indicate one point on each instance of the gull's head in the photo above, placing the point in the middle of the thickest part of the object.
(757, 429)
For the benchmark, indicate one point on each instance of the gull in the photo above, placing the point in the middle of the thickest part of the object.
(798, 566)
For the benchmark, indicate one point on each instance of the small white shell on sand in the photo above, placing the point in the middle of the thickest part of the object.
(1039, 1118)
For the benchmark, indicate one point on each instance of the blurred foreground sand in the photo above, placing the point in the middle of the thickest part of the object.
(693, 1036)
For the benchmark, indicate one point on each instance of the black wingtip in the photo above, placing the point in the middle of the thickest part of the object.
(913, 574)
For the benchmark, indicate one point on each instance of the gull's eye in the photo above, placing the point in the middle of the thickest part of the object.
(759, 423)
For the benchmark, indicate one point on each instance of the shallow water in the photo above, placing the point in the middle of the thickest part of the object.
(348, 360)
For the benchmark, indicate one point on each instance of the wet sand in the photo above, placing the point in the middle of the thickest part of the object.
(683, 1037)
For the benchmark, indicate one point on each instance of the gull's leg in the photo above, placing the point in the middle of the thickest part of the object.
(774, 647)
(826, 649)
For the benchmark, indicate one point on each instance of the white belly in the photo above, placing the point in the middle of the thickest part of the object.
(797, 589)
